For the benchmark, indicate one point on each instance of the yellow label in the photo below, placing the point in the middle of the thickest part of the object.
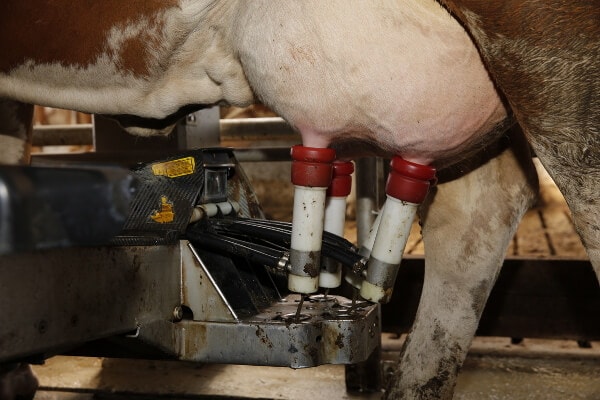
(165, 214)
(175, 168)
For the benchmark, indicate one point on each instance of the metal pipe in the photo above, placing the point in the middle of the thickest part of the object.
(255, 128)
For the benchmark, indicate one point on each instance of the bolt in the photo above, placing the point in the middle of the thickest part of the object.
(190, 119)
(373, 329)
(177, 313)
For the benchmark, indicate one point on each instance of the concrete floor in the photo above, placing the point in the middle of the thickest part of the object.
(531, 379)
(543, 373)
(495, 369)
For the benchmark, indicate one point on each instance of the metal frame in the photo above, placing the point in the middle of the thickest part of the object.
(187, 303)
(59, 299)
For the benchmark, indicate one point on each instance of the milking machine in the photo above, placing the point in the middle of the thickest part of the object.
(375, 273)
(193, 271)
(186, 266)
(330, 276)
(407, 186)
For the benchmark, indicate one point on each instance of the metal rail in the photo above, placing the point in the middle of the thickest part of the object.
(233, 132)
(63, 135)
(230, 129)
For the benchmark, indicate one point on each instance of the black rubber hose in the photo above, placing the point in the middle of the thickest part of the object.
(273, 234)
(345, 257)
(273, 229)
(252, 252)
(346, 253)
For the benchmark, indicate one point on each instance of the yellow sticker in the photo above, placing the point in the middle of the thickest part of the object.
(175, 168)
(166, 214)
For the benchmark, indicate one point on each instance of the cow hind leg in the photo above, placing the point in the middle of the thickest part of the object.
(575, 167)
(16, 120)
(562, 121)
(467, 227)
(550, 76)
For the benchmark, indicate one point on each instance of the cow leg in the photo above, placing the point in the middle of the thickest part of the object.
(15, 131)
(550, 75)
(580, 185)
(467, 227)
(17, 382)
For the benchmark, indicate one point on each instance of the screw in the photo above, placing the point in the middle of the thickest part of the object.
(177, 313)
(371, 332)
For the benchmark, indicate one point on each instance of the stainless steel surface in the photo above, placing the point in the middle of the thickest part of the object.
(52, 300)
(369, 179)
(381, 274)
(199, 290)
(199, 129)
(328, 333)
(76, 295)
(305, 263)
(329, 330)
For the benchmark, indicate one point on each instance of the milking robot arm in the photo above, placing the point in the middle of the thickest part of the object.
(168, 284)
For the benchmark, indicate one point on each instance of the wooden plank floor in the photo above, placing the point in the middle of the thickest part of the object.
(495, 369)
(545, 230)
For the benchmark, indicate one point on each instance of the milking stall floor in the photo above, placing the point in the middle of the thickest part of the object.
(495, 369)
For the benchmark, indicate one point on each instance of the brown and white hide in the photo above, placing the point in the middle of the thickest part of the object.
(401, 76)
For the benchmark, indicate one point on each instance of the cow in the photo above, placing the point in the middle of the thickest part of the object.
(434, 83)
(548, 78)
(545, 60)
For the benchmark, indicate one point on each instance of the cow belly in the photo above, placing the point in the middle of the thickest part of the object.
(146, 58)
(402, 75)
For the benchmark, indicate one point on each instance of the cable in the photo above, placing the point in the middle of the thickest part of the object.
(251, 251)
(247, 231)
